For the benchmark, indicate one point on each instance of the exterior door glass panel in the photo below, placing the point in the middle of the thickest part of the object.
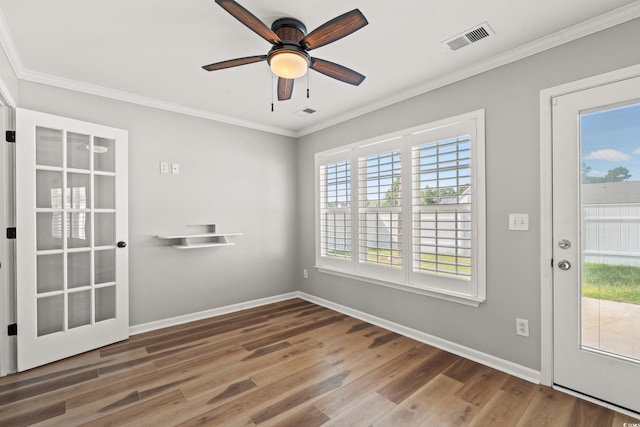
(610, 225)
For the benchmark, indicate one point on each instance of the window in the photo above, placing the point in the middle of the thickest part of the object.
(380, 209)
(442, 207)
(335, 201)
(412, 216)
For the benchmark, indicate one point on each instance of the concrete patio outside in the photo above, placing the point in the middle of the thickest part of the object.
(611, 326)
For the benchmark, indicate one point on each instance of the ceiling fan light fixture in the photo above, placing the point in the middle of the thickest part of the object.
(289, 64)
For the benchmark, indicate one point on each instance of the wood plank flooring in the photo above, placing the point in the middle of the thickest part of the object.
(291, 363)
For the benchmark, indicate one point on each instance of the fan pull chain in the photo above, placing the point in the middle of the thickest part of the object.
(307, 84)
(272, 77)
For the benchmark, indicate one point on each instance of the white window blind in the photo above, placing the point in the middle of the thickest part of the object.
(380, 209)
(442, 208)
(412, 216)
(335, 200)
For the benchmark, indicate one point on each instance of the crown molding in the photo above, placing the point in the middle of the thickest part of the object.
(583, 29)
(132, 98)
(591, 26)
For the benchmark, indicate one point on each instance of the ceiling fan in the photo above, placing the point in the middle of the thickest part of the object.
(289, 57)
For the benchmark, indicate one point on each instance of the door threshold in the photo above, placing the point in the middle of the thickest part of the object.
(600, 402)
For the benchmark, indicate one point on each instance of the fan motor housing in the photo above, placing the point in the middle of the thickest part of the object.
(289, 29)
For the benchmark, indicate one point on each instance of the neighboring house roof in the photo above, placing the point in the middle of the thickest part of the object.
(465, 197)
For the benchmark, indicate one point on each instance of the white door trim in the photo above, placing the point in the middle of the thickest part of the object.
(546, 225)
(7, 218)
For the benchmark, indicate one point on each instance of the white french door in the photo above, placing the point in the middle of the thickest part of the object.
(596, 238)
(71, 221)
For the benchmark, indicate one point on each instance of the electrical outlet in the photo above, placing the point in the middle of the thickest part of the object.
(164, 167)
(522, 327)
(305, 273)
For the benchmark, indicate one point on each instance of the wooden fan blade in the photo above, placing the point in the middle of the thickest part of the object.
(335, 29)
(337, 71)
(234, 62)
(250, 20)
(285, 88)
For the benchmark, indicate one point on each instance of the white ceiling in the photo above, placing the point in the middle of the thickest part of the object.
(151, 51)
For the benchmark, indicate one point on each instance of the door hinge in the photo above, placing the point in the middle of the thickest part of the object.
(12, 329)
(11, 233)
(10, 136)
(552, 262)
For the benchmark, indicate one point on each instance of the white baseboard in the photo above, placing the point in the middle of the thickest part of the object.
(179, 320)
(511, 368)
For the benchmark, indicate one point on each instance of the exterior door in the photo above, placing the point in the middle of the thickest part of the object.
(596, 237)
(72, 259)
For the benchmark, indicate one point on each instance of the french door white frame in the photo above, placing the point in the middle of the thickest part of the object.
(546, 224)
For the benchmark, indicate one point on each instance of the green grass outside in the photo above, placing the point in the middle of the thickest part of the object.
(611, 282)
(427, 261)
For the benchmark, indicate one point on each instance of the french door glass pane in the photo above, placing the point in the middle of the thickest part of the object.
(104, 154)
(48, 189)
(105, 226)
(78, 269)
(105, 266)
(78, 151)
(105, 192)
(78, 229)
(105, 303)
(78, 191)
(50, 273)
(48, 147)
(79, 309)
(50, 315)
(610, 215)
(49, 228)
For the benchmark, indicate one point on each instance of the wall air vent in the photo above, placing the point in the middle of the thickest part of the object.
(306, 111)
(472, 35)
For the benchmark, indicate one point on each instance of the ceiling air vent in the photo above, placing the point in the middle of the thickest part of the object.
(306, 111)
(472, 35)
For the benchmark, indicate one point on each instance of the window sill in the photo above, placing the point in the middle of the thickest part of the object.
(439, 294)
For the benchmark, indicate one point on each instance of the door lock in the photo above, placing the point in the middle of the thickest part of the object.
(564, 244)
(564, 265)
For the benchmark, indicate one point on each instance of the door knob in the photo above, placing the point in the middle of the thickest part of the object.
(564, 265)
(122, 244)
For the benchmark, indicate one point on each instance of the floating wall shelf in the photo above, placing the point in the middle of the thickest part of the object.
(200, 240)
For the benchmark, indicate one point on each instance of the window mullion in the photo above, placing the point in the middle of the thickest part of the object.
(407, 208)
(355, 213)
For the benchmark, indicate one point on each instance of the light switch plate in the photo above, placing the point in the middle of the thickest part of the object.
(518, 221)
(175, 168)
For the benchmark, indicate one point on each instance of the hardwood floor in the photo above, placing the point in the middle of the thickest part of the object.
(291, 363)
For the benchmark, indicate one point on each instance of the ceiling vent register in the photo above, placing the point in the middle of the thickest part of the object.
(468, 37)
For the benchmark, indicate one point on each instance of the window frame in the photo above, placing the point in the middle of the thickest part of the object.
(469, 292)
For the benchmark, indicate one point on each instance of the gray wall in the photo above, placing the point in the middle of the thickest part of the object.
(510, 97)
(239, 179)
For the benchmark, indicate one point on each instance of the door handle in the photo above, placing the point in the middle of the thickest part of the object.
(122, 244)
(564, 265)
